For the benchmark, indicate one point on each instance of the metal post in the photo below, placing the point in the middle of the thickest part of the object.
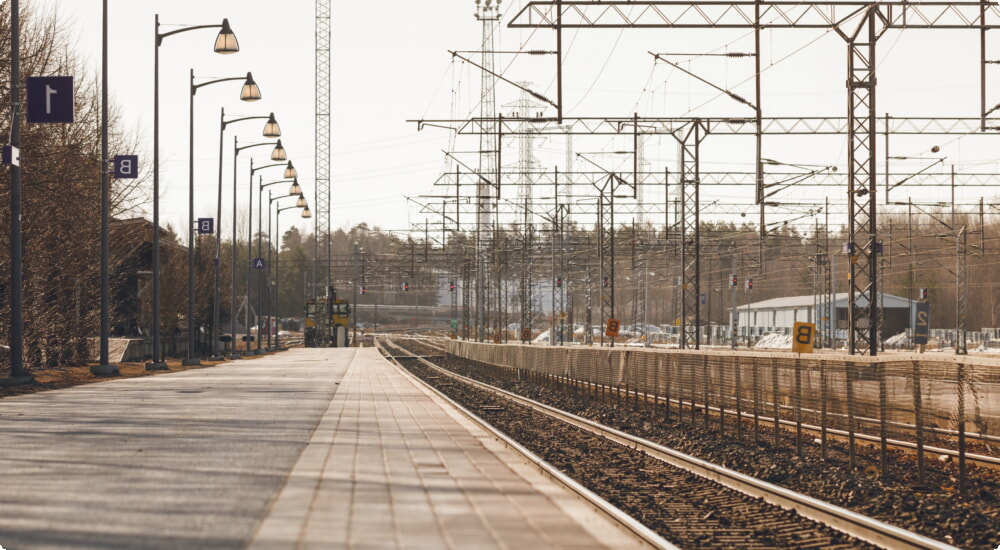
(16, 301)
(246, 302)
(232, 261)
(102, 368)
(191, 359)
(260, 254)
(277, 279)
(734, 313)
(157, 359)
(270, 240)
(216, 289)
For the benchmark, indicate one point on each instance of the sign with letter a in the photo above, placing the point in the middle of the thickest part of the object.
(802, 337)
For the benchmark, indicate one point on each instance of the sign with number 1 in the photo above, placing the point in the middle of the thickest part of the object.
(50, 99)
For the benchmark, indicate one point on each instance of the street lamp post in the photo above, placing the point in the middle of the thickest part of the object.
(271, 130)
(250, 92)
(260, 217)
(16, 281)
(232, 260)
(103, 366)
(225, 43)
(301, 203)
(278, 154)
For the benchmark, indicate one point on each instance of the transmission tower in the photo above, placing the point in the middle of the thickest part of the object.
(322, 202)
(488, 13)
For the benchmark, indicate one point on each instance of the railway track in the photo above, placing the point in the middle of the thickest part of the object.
(681, 498)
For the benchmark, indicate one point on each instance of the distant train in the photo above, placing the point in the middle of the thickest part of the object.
(326, 321)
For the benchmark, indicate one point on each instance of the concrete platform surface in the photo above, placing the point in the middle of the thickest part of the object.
(311, 448)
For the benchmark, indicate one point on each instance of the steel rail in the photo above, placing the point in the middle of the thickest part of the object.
(632, 526)
(841, 519)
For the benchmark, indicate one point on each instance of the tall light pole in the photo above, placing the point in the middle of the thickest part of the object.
(277, 154)
(250, 92)
(300, 203)
(16, 281)
(225, 43)
(232, 260)
(271, 130)
(103, 366)
(260, 218)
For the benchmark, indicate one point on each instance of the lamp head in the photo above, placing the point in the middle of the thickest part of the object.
(250, 90)
(279, 153)
(296, 189)
(306, 213)
(271, 129)
(290, 172)
(226, 42)
(302, 203)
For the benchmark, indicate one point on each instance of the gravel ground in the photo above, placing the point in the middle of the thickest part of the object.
(934, 508)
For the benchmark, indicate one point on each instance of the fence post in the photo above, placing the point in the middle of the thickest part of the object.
(739, 397)
(918, 420)
(798, 407)
(849, 375)
(961, 429)
(669, 377)
(721, 365)
(706, 381)
(777, 402)
(883, 405)
(823, 409)
(756, 402)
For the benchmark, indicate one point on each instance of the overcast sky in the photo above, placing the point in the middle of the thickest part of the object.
(390, 63)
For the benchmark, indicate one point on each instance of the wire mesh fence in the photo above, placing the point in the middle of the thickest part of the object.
(947, 407)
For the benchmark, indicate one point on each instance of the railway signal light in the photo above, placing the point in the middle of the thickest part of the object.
(923, 293)
(451, 286)
(406, 287)
(734, 280)
(607, 282)
(749, 284)
(558, 282)
(363, 291)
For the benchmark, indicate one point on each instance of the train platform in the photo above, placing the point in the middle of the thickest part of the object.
(311, 448)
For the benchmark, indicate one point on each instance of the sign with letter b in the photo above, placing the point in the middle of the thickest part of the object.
(614, 325)
(126, 166)
(206, 226)
(802, 337)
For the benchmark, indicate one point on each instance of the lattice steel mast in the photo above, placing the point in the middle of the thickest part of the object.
(321, 205)
(488, 14)
(860, 25)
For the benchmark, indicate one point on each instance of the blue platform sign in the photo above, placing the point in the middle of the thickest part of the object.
(206, 226)
(50, 99)
(126, 167)
(258, 263)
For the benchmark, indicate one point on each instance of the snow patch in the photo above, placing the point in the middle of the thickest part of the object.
(774, 341)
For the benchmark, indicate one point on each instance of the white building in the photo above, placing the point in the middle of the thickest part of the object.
(780, 314)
